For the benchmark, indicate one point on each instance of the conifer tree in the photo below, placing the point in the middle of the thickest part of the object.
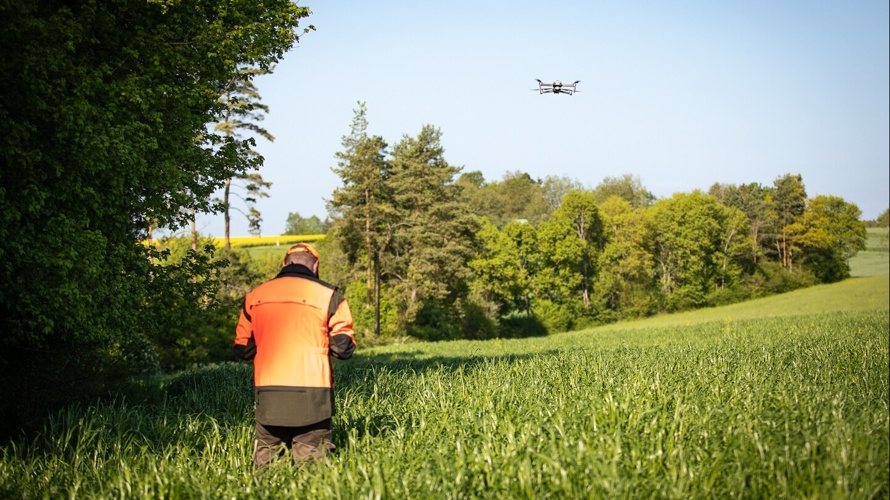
(786, 201)
(242, 114)
(434, 240)
(363, 205)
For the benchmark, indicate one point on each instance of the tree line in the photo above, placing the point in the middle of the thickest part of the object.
(436, 253)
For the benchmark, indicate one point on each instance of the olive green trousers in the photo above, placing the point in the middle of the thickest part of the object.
(305, 443)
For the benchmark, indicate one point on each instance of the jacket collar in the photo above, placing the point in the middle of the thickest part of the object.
(296, 270)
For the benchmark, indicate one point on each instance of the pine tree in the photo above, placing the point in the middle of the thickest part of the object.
(787, 201)
(363, 205)
(243, 111)
(434, 241)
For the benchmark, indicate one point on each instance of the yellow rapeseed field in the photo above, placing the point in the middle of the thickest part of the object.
(260, 241)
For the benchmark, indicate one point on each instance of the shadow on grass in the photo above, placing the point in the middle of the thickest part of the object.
(219, 398)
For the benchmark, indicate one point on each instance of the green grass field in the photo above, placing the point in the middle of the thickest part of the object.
(874, 259)
(785, 396)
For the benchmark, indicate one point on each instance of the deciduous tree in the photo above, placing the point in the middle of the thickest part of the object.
(499, 274)
(827, 235)
(628, 187)
(751, 199)
(104, 112)
(626, 262)
(297, 224)
(517, 197)
(786, 202)
(556, 186)
(570, 242)
(698, 244)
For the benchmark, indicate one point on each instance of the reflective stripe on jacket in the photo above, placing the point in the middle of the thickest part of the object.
(290, 326)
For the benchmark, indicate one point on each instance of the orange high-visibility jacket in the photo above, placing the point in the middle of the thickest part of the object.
(290, 326)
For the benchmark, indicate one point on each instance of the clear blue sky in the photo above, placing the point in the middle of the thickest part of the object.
(681, 94)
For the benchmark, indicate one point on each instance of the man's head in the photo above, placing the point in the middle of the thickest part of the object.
(303, 254)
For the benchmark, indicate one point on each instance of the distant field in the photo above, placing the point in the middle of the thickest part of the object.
(852, 295)
(875, 259)
(784, 397)
(268, 241)
(267, 252)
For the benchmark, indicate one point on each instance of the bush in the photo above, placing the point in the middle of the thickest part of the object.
(519, 324)
(554, 317)
(476, 324)
(435, 320)
(771, 278)
(363, 317)
(729, 295)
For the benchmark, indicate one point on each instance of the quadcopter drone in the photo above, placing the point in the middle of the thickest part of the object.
(557, 87)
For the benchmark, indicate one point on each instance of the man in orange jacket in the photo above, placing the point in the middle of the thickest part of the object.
(290, 326)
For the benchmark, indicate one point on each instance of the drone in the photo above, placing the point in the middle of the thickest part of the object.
(557, 87)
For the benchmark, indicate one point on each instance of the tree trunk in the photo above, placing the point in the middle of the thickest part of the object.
(755, 230)
(368, 251)
(194, 229)
(376, 295)
(226, 216)
(151, 229)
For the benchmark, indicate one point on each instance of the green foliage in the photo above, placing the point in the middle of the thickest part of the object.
(628, 187)
(198, 327)
(477, 322)
(364, 315)
(434, 236)
(556, 317)
(555, 187)
(783, 205)
(771, 278)
(434, 320)
(883, 220)
(570, 243)
(517, 197)
(699, 247)
(605, 255)
(105, 134)
(183, 307)
(297, 224)
(827, 235)
(519, 324)
(753, 200)
(625, 286)
(499, 274)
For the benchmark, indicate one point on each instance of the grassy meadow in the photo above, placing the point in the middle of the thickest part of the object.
(873, 260)
(781, 397)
